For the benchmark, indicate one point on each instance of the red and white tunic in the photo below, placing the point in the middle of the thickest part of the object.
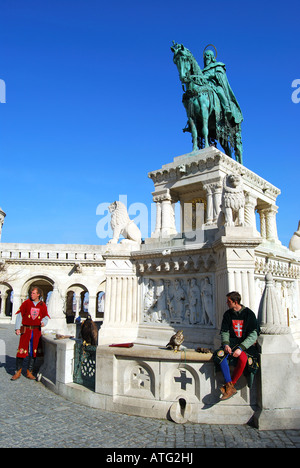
(32, 317)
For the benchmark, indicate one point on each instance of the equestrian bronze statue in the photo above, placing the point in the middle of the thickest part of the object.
(212, 109)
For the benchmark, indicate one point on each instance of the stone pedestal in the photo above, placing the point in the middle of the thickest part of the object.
(151, 381)
(235, 265)
(279, 383)
(121, 315)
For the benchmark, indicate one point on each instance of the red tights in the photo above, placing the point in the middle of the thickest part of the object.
(239, 368)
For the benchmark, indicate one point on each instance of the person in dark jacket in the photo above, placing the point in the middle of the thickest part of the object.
(239, 331)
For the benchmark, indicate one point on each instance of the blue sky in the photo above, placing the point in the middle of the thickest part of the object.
(93, 103)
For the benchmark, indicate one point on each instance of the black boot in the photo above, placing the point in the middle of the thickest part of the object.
(19, 365)
(30, 368)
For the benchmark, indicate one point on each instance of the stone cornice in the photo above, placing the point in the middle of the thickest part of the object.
(238, 243)
(208, 160)
(168, 252)
(48, 263)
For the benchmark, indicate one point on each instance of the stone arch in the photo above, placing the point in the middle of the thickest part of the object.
(100, 300)
(77, 299)
(45, 283)
(6, 299)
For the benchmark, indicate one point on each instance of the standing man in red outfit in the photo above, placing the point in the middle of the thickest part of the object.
(31, 316)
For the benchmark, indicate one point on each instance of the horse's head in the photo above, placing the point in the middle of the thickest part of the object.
(182, 61)
(185, 62)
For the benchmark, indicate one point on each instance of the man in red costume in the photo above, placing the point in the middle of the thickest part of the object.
(31, 316)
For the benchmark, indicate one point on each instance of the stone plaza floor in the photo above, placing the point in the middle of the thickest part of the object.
(31, 416)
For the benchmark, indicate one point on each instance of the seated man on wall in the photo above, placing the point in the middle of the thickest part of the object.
(239, 331)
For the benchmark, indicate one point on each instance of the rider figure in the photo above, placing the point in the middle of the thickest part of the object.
(215, 73)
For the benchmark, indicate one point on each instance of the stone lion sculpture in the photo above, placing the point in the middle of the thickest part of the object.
(121, 224)
(233, 201)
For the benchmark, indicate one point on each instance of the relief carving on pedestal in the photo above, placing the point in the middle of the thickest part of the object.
(186, 301)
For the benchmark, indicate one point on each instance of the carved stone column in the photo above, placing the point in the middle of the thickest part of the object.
(16, 304)
(165, 216)
(168, 217)
(78, 301)
(263, 229)
(214, 200)
(272, 235)
(209, 206)
(92, 306)
(157, 231)
(217, 200)
(3, 302)
(249, 213)
(55, 306)
(268, 226)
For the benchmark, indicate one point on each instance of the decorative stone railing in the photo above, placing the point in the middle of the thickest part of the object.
(51, 252)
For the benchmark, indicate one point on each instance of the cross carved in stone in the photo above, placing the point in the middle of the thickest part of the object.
(183, 380)
(141, 378)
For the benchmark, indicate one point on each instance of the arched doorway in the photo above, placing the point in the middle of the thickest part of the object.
(100, 305)
(100, 301)
(42, 282)
(77, 302)
(45, 286)
(6, 300)
(9, 303)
